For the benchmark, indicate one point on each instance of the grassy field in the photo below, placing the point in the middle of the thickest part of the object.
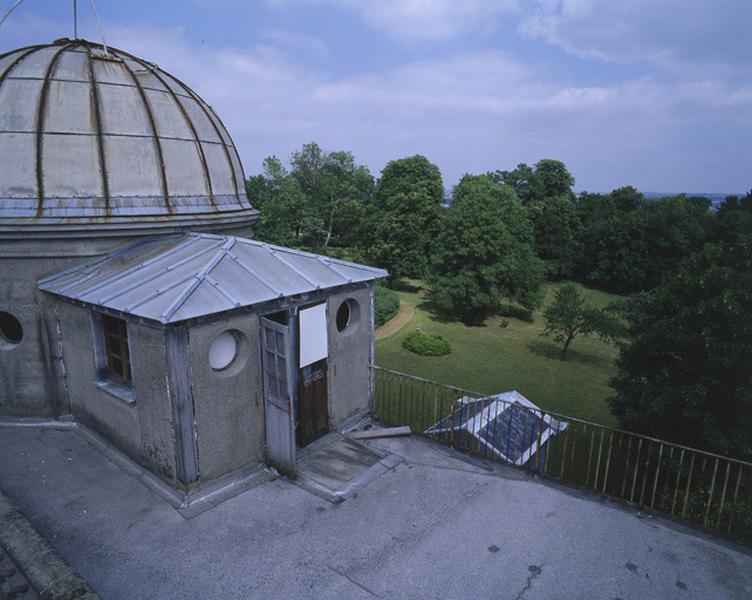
(493, 358)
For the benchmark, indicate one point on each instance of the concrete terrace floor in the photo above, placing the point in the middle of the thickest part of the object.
(434, 526)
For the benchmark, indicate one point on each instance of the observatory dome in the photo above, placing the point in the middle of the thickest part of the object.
(94, 138)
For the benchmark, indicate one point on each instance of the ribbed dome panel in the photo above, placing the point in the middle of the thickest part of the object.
(95, 139)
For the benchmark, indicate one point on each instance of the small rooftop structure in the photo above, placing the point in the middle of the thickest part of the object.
(96, 138)
(176, 278)
(508, 425)
(197, 351)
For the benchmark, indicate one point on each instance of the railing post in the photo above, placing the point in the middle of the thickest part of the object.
(733, 502)
(598, 462)
(710, 494)
(608, 461)
(655, 481)
(689, 482)
(678, 479)
(723, 496)
(538, 453)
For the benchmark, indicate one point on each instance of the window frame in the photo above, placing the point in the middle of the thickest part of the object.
(106, 378)
(115, 332)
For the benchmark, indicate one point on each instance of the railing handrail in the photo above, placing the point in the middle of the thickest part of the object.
(562, 417)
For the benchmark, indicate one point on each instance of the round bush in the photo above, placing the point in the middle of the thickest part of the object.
(386, 304)
(426, 345)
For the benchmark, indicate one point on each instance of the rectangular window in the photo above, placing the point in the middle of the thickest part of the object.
(116, 348)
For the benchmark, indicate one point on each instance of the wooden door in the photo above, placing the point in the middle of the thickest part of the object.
(313, 403)
(278, 396)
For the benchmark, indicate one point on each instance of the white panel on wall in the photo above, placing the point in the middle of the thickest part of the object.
(313, 340)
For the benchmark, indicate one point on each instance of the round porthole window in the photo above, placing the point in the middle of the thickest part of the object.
(11, 331)
(347, 315)
(223, 350)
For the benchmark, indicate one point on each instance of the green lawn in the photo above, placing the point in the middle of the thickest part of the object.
(491, 359)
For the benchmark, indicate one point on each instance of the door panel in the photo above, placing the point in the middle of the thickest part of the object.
(278, 397)
(313, 402)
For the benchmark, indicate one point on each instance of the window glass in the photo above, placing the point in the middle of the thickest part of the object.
(223, 350)
(348, 314)
(343, 316)
(11, 330)
(116, 347)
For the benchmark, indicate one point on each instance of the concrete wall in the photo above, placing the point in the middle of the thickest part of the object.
(143, 429)
(228, 404)
(349, 357)
(31, 372)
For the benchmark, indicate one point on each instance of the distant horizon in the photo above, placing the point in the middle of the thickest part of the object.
(710, 195)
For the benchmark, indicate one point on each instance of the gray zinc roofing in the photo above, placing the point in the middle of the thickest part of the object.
(175, 278)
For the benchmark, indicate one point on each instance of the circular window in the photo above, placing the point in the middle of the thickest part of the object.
(223, 350)
(347, 314)
(343, 316)
(11, 330)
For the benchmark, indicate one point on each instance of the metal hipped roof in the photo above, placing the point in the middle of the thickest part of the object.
(171, 279)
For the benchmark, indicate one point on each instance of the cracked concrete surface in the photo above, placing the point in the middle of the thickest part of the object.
(433, 527)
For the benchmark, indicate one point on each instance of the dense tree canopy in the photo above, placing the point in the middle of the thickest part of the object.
(734, 218)
(686, 374)
(483, 254)
(630, 243)
(546, 192)
(287, 217)
(337, 188)
(404, 217)
(320, 201)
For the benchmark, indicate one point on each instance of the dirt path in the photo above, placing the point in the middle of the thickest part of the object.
(396, 323)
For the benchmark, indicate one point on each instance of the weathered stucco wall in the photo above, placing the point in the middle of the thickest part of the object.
(349, 356)
(31, 374)
(142, 429)
(228, 404)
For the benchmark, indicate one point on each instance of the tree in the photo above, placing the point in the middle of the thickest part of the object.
(673, 228)
(627, 199)
(548, 178)
(569, 316)
(287, 217)
(628, 249)
(557, 230)
(551, 179)
(404, 218)
(615, 253)
(519, 179)
(483, 254)
(734, 218)
(337, 189)
(546, 192)
(686, 373)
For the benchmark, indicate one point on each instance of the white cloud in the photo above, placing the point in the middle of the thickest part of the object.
(296, 41)
(418, 20)
(470, 112)
(711, 35)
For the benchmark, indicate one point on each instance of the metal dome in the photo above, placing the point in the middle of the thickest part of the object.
(95, 138)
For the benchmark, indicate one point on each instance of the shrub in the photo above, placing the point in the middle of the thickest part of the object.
(386, 304)
(426, 345)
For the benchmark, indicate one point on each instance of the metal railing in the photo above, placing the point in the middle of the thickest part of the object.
(680, 482)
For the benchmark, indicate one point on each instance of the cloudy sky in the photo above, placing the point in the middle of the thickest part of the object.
(653, 93)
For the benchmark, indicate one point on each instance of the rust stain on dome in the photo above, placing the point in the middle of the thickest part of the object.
(95, 138)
